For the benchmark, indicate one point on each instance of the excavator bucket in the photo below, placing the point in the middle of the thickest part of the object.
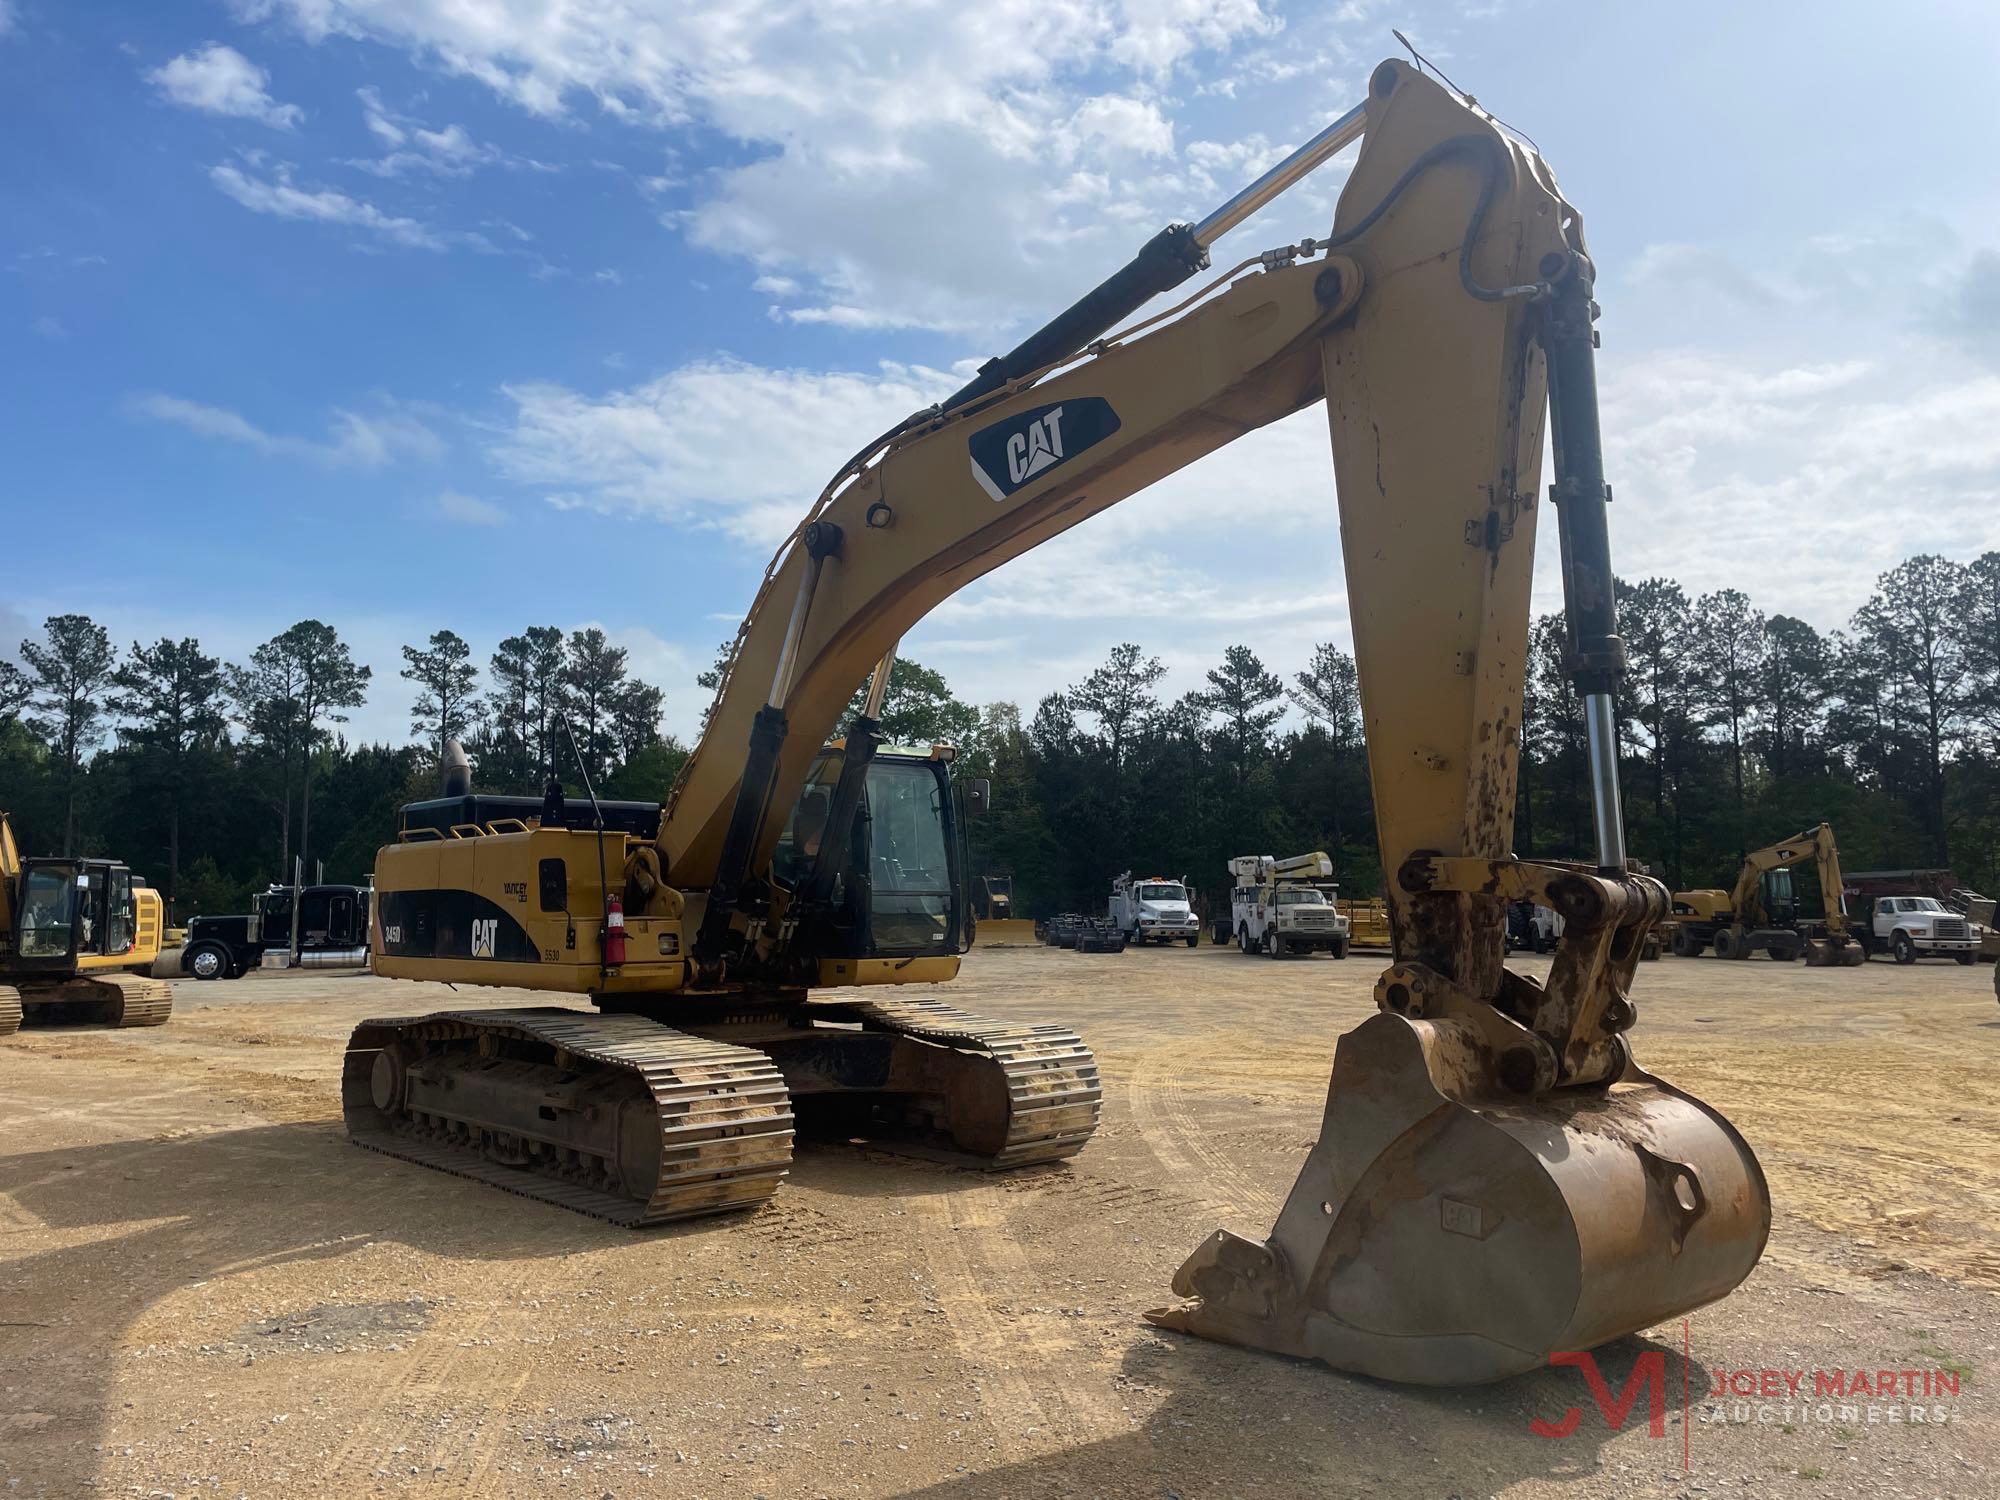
(1445, 1232)
(1005, 932)
(1834, 952)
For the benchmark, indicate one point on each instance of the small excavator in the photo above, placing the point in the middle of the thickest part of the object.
(1762, 912)
(1496, 1177)
(77, 937)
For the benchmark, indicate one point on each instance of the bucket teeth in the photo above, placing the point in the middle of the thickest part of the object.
(1444, 1240)
(10, 1010)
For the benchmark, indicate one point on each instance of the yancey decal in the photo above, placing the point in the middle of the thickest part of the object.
(1011, 454)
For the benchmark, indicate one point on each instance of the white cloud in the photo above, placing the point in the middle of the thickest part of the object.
(1124, 124)
(377, 118)
(1796, 483)
(50, 328)
(469, 510)
(219, 80)
(717, 443)
(354, 439)
(450, 152)
(1018, 113)
(279, 197)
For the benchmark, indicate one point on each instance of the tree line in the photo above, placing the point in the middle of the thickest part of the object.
(1736, 728)
(209, 777)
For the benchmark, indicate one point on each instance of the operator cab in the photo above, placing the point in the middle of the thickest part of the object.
(1781, 898)
(71, 909)
(901, 888)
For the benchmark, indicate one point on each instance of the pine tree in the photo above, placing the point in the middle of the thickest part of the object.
(1242, 690)
(448, 681)
(172, 693)
(72, 666)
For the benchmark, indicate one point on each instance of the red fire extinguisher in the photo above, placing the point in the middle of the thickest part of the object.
(614, 933)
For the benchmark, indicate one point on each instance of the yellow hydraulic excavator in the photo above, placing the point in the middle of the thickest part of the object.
(1763, 910)
(1496, 1178)
(77, 937)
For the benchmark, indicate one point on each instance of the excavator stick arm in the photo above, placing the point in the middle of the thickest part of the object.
(1496, 1177)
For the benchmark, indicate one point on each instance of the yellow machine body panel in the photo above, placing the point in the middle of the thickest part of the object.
(841, 971)
(148, 928)
(518, 909)
(1709, 905)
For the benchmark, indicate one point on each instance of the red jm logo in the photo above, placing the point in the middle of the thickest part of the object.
(1649, 1373)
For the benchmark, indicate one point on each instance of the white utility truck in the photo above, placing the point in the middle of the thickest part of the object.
(1153, 910)
(1284, 906)
(1913, 927)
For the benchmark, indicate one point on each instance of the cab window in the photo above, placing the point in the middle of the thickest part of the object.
(1162, 893)
(91, 898)
(798, 845)
(48, 912)
(1301, 898)
(120, 918)
(315, 918)
(908, 865)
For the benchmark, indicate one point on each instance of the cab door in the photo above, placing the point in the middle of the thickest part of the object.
(49, 922)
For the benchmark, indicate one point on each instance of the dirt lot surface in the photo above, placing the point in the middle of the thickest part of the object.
(205, 1290)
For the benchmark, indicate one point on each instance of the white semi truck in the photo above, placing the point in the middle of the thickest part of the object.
(1153, 910)
(1284, 906)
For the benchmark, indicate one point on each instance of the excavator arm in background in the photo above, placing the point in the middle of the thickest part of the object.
(1496, 1178)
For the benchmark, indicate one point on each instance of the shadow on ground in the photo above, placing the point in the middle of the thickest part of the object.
(1236, 1423)
(182, 1210)
(173, 1212)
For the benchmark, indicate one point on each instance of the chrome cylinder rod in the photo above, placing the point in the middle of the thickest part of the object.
(788, 653)
(1343, 132)
(1607, 813)
(878, 685)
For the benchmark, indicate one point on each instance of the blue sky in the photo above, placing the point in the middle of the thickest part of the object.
(487, 313)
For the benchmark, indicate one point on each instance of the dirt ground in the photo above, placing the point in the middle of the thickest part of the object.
(206, 1291)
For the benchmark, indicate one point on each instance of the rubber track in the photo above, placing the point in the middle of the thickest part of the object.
(1052, 1076)
(725, 1115)
(10, 1010)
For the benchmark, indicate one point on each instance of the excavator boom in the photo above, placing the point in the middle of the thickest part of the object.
(1496, 1177)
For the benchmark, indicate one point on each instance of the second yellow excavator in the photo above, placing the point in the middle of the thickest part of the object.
(1496, 1177)
(1762, 911)
(78, 937)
